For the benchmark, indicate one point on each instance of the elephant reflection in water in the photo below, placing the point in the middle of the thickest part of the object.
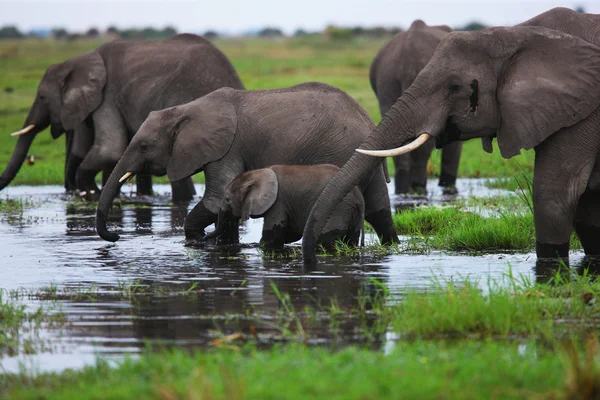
(245, 284)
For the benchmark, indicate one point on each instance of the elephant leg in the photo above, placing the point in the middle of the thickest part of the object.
(587, 222)
(218, 176)
(183, 190)
(377, 209)
(402, 174)
(276, 232)
(450, 162)
(198, 218)
(563, 165)
(419, 159)
(81, 144)
(143, 185)
(69, 180)
(110, 142)
(106, 174)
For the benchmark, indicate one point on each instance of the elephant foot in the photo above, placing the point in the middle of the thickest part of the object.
(589, 236)
(447, 180)
(401, 182)
(552, 251)
(89, 195)
(418, 189)
(383, 224)
(587, 222)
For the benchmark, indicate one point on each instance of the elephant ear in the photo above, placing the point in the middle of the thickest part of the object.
(204, 135)
(82, 88)
(550, 81)
(261, 193)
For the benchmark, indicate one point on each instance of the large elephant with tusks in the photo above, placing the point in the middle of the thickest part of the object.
(530, 87)
(101, 98)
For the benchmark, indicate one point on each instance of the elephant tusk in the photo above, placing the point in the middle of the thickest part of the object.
(126, 176)
(399, 150)
(23, 131)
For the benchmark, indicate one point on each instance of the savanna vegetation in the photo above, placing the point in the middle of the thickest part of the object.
(465, 339)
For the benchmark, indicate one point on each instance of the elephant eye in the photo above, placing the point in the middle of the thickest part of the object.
(143, 146)
(42, 97)
(453, 88)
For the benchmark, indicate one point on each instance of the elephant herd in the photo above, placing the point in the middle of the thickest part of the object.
(308, 158)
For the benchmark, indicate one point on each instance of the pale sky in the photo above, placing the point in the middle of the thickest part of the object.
(238, 16)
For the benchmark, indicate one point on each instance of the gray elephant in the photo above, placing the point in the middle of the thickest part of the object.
(105, 95)
(393, 70)
(284, 196)
(528, 86)
(232, 131)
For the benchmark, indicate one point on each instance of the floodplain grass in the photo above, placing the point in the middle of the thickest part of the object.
(261, 64)
(20, 327)
(510, 349)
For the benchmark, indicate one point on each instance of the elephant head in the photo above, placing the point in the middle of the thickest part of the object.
(67, 94)
(517, 84)
(178, 141)
(252, 193)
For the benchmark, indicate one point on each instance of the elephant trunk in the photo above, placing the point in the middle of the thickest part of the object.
(224, 219)
(109, 192)
(37, 120)
(398, 127)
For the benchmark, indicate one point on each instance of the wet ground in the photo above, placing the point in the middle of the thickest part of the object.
(136, 287)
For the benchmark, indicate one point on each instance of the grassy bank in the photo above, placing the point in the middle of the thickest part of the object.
(519, 345)
(261, 64)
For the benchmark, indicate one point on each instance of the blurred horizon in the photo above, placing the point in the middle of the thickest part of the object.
(235, 18)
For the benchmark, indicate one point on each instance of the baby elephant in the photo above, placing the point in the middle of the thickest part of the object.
(284, 196)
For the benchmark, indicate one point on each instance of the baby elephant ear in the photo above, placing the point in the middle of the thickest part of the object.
(551, 81)
(261, 193)
(82, 88)
(205, 135)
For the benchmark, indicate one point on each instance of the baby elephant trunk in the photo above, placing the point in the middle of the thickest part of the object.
(225, 221)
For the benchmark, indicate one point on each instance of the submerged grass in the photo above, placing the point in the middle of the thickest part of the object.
(522, 341)
(20, 327)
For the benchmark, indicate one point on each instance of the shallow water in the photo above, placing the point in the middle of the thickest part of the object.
(54, 242)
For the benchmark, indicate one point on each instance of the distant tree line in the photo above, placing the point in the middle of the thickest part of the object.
(331, 32)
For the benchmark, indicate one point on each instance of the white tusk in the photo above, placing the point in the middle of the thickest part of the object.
(126, 176)
(399, 150)
(23, 131)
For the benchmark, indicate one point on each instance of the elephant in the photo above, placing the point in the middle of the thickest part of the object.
(393, 70)
(103, 96)
(527, 86)
(283, 195)
(230, 131)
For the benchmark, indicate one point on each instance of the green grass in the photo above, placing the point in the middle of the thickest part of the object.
(510, 227)
(262, 64)
(20, 327)
(421, 370)
(515, 347)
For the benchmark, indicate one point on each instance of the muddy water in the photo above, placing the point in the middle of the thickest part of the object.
(54, 242)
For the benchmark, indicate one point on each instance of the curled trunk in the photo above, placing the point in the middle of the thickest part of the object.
(38, 116)
(109, 192)
(394, 130)
(17, 159)
(223, 221)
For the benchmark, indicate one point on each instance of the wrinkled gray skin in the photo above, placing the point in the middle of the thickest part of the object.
(106, 94)
(284, 196)
(529, 86)
(232, 131)
(393, 70)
